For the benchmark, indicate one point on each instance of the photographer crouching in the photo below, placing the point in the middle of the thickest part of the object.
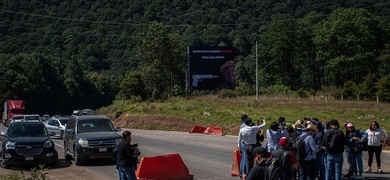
(128, 157)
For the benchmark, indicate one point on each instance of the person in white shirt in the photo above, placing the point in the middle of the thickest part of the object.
(376, 137)
(247, 135)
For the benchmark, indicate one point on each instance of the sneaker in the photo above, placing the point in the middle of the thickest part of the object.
(368, 171)
(354, 177)
(380, 170)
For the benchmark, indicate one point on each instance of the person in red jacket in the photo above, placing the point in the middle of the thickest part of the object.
(286, 158)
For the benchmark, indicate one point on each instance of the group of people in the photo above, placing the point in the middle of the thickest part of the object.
(323, 147)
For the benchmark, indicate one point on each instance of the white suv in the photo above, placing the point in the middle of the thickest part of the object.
(32, 118)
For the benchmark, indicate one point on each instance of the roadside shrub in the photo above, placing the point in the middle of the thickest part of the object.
(302, 93)
(384, 88)
(226, 93)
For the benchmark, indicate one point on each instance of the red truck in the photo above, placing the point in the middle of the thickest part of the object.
(12, 108)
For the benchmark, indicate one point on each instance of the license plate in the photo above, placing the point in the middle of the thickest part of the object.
(102, 149)
(29, 158)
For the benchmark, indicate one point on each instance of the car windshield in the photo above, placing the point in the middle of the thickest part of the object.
(94, 125)
(17, 117)
(31, 118)
(27, 130)
(64, 121)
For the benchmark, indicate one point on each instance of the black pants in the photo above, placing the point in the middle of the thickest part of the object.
(249, 156)
(377, 150)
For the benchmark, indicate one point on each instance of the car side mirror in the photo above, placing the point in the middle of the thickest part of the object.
(51, 133)
(3, 134)
(70, 131)
(117, 129)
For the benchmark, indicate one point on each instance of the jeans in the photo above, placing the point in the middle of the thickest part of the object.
(356, 157)
(249, 156)
(320, 166)
(307, 170)
(243, 160)
(127, 173)
(334, 166)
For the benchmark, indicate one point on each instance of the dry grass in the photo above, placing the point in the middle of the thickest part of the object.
(181, 115)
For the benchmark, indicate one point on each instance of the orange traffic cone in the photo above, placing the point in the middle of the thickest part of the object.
(236, 163)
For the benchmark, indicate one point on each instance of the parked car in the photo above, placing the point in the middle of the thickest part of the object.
(32, 118)
(16, 118)
(27, 143)
(57, 125)
(45, 117)
(90, 137)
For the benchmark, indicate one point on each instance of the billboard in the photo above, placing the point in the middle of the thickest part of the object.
(210, 68)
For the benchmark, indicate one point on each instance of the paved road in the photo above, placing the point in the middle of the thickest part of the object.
(208, 157)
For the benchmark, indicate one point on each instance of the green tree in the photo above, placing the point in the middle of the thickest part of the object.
(132, 85)
(349, 41)
(161, 57)
(384, 88)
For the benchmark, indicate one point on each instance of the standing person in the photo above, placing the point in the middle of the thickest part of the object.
(273, 136)
(292, 135)
(355, 153)
(258, 171)
(334, 142)
(128, 157)
(286, 159)
(347, 154)
(376, 137)
(319, 139)
(242, 148)
(248, 135)
(307, 164)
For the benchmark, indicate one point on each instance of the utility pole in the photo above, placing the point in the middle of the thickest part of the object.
(257, 76)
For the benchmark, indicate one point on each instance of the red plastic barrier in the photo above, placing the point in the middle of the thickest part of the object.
(213, 130)
(163, 167)
(236, 163)
(198, 129)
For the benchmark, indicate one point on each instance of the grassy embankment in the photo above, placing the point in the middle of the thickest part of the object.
(181, 115)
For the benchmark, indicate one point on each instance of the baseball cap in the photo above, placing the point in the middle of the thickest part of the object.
(349, 125)
(259, 150)
(283, 141)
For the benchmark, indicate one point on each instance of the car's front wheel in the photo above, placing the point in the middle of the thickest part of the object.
(77, 160)
(55, 161)
(3, 163)
(62, 134)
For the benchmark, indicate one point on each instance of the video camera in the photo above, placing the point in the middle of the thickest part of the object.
(134, 145)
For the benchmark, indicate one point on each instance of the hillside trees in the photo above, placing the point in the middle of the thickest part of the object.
(161, 57)
(349, 41)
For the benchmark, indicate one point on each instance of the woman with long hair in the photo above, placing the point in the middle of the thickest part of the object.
(376, 137)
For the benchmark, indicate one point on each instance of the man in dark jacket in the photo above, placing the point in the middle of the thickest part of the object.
(334, 141)
(258, 171)
(128, 157)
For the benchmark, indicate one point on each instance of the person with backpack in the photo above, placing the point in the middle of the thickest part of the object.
(259, 170)
(248, 135)
(355, 152)
(286, 159)
(319, 139)
(334, 141)
(306, 153)
(376, 137)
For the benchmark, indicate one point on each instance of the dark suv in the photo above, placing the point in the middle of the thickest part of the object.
(90, 137)
(28, 143)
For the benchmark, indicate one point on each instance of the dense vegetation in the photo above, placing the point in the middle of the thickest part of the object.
(61, 55)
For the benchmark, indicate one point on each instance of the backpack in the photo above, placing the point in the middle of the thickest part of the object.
(299, 146)
(283, 157)
(330, 141)
(272, 169)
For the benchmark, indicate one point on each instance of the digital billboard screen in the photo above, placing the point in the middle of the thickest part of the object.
(211, 68)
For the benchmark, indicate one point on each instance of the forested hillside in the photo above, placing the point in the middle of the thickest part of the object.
(61, 55)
